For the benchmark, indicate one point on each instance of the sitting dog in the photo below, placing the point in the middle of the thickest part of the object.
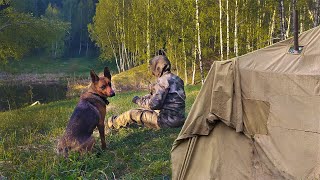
(89, 113)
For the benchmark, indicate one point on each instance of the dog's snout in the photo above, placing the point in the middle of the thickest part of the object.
(112, 94)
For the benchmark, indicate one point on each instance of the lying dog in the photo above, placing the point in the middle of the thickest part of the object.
(88, 114)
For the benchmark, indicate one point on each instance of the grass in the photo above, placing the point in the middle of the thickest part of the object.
(44, 65)
(136, 78)
(28, 137)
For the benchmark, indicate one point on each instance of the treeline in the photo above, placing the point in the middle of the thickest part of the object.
(193, 33)
(56, 27)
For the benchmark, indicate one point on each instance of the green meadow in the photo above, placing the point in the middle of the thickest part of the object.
(28, 138)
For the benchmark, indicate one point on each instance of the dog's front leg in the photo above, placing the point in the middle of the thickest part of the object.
(102, 135)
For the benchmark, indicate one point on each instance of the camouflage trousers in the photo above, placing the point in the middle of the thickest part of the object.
(148, 118)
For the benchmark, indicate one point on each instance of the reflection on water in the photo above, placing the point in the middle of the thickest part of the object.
(13, 96)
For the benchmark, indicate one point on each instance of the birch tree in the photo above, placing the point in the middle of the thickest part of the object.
(199, 42)
(22, 34)
(228, 36)
(282, 19)
(221, 36)
(236, 50)
(317, 21)
(148, 28)
(192, 32)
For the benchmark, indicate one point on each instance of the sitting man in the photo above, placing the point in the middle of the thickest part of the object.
(165, 105)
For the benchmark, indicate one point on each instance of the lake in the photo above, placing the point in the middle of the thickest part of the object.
(14, 95)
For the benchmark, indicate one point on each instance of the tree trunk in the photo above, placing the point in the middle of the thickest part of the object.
(289, 20)
(258, 26)
(199, 42)
(148, 29)
(52, 49)
(248, 46)
(155, 41)
(123, 40)
(272, 25)
(55, 51)
(317, 13)
(87, 49)
(80, 38)
(282, 19)
(121, 58)
(176, 60)
(80, 46)
(114, 52)
(128, 60)
(302, 18)
(228, 43)
(248, 40)
(236, 50)
(136, 45)
(221, 38)
(70, 34)
(215, 37)
(194, 64)
(185, 58)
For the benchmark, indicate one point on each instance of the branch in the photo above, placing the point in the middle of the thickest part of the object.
(7, 24)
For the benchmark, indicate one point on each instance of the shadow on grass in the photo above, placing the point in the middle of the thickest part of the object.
(139, 153)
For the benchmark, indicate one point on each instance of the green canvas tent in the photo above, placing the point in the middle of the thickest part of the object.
(256, 117)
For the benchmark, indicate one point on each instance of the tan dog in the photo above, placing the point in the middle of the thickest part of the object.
(89, 113)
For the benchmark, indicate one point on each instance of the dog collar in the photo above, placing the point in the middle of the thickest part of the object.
(104, 99)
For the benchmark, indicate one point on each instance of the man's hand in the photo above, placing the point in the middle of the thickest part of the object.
(135, 99)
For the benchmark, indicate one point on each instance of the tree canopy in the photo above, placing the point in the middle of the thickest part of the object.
(131, 31)
(56, 27)
(193, 33)
(22, 33)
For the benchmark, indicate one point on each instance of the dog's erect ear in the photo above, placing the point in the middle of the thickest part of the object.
(94, 76)
(107, 73)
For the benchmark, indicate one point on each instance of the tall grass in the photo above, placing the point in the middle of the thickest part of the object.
(28, 137)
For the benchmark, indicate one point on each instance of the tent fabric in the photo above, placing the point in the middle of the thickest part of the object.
(222, 90)
(256, 117)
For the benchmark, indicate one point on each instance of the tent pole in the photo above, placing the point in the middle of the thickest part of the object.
(296, 31)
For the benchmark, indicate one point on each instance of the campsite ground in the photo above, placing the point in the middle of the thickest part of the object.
(28, 136)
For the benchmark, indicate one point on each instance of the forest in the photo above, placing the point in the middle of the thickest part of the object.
(56, 28)
(193, 33)
(49, 47)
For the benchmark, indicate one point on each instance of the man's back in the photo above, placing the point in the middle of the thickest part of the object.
(173, 109)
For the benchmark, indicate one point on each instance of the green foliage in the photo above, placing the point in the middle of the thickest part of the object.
(28, 137)
(43, 65)
(121, 28)
(52, 12)
(124, 24)
(79, 14)
(64, 24)
(22, 33)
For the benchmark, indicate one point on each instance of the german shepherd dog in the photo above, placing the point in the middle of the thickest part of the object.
(89, 113)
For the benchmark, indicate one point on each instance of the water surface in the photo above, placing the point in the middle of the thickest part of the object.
(17, 95)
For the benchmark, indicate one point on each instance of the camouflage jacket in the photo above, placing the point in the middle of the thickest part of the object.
(168, 96)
